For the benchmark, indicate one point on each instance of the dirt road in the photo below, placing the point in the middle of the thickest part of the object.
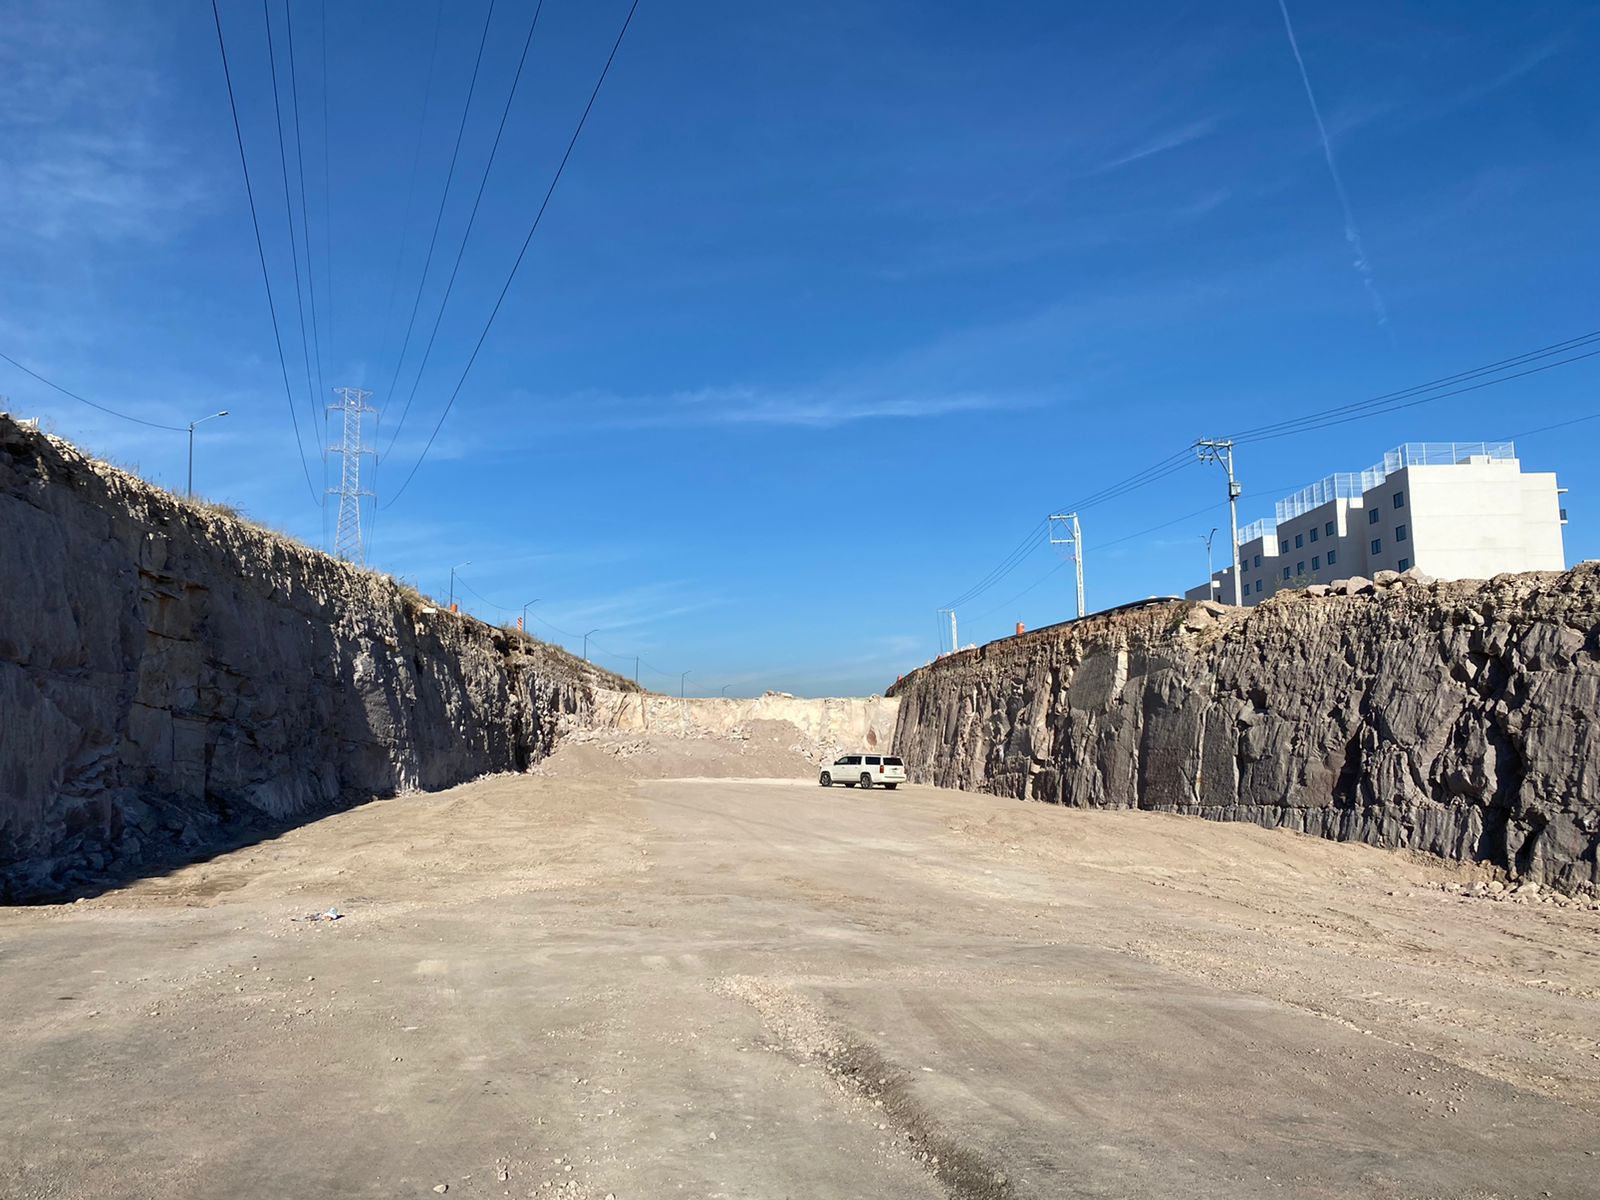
(565, 987)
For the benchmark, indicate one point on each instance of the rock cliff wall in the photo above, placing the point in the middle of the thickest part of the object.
(1461, 719)
(170, 675)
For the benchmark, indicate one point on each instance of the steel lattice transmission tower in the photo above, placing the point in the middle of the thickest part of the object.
(347, 539)
(1064, 531)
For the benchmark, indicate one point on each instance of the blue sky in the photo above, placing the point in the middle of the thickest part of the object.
(834, 301)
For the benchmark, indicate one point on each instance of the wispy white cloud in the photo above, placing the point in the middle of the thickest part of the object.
(818, 408)
(82, 155)
(1161, 143)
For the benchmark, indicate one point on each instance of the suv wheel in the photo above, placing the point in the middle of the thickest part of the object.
(826, 780)
(866, 780)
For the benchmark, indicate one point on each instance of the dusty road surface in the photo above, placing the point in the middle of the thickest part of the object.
(585, 987)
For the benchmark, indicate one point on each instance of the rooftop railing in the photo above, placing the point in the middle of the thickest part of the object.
(1445, 454)
(1351, 485)
(1265, 527)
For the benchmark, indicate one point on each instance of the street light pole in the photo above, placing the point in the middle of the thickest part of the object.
(725, 691)
(586, 638)
(453, 571)
(1211, 584)
(189, 489)
(522, 625)
(681, 679)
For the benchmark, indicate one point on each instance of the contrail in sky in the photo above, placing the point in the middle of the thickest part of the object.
(1352, 235)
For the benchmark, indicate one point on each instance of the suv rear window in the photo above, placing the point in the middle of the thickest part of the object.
(893, 762)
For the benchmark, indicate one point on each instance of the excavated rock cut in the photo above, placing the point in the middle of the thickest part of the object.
(169, 672)
(1460, 719)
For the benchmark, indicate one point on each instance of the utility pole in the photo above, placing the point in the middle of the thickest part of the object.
(1064, 531)
(347, 539)
(189, 490)
(453, 571)
(1220, 451)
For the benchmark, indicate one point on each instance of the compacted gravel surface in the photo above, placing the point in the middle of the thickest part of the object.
(579, 984)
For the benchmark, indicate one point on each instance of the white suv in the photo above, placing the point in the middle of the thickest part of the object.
(868, 770)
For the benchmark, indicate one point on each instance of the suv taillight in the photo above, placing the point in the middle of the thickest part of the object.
(880, 768)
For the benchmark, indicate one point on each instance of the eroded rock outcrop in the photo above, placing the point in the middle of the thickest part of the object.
(169, 673)
(1460, 719)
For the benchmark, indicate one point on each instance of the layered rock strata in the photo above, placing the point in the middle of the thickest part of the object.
(1461, 719)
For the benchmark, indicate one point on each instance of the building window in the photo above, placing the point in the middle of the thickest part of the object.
(1286, 572)
(1377, 545)
(1299, 540)
(1400, 535)
(1405, 563)
(1258, 587)
(1300, 568)
(1333, 557)
(1372, 516)
(1258, 560)
(1399, 499)
(1328, 529)
(1283, 547)
(1316, 563)
(1313, 533)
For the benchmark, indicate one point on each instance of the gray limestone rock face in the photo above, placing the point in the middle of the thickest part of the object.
(1460, 719)
(169, 673)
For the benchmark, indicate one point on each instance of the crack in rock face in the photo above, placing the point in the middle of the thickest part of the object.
(1460, 719)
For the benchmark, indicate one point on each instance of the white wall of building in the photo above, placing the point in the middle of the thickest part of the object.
(1468, 519)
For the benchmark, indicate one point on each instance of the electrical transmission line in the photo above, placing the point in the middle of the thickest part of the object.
(82, 400)
(288, 212)
(261, 253)
(532, 229)
(411, 183)
(327, 174)
(1168, 466)
(1505, 370)
(467, 233)
(300, 164)
(438, 219)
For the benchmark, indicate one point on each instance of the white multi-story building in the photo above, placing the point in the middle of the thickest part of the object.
(1456, 510)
